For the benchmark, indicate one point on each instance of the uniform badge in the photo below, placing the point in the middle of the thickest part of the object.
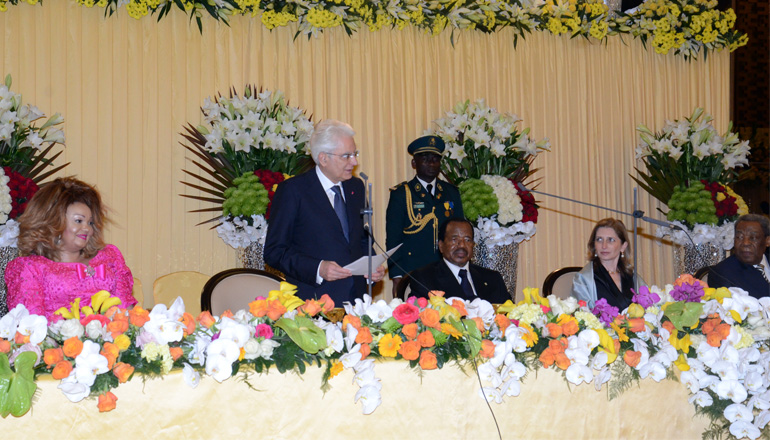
(418, 205)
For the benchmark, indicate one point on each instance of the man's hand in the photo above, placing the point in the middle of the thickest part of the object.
(331, 271)
(378, 274)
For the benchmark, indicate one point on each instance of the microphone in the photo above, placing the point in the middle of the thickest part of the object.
(367, 211)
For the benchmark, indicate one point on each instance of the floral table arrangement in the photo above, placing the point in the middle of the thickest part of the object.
(714, 340)
(25, 161)
(250, 144)
(684, 27)
(688, 167)
(486, 156)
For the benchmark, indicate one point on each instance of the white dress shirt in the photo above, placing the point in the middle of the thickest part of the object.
(425, 185)
(327, 186)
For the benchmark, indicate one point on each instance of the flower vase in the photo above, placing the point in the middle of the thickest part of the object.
(7, 253)
(688, 258)
(501, 258)
(252, 257)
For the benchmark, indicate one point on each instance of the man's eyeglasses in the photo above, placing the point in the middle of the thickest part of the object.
(346, 156)
(753, 238)
(455, 240)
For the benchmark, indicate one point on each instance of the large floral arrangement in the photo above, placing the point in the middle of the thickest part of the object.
(250, 144)
(486, 156)
(685, 27)
(688, 167)
(24, 156)
(715, 340)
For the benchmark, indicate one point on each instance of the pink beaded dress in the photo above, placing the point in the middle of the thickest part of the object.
(44, 286)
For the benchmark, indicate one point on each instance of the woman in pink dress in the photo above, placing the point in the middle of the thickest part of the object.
(63, 255)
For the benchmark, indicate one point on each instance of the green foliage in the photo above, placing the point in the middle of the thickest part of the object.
(17, 387)
(684, 314)
(692, 205)
(304, 333)
(479, 199)
(246, 198)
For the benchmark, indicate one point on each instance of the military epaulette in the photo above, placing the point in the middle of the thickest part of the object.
(393, 188)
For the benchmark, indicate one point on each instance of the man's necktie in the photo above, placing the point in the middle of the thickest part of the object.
(430, 189)
(465, 284)
(761, 270)
(339, 209)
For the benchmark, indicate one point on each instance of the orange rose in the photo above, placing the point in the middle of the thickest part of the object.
(53, 356)
(110, 351)
(502, 322)
(107, 402)
(258, 307)
(227, 314)
(668, 325)
(562, 361)
(410, 331)
(5, 346)
(138, 316)
(547, 357)
(426, 339)
(636, 325)
(487, 349)
(365, 350)
(206, 319)
(355, 321)
(118, 326)
(364, 336)
(569, 325)
(479, 324)
(327, 301)
(122, 371)
(72, 347)
(410, 350)
(21, 339)
(632, 358)
(430, 318)
(189, 323)
(311, 307)
(554, 329)
(176, 352)
(62, 370)
(428, 360)
(460, 306)
(275, 309)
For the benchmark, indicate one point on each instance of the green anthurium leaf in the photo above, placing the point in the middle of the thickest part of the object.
(17, 388)
(304, 333)
(391, 325)
(684, 314)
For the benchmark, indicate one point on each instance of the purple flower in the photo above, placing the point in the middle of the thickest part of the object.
(645, 298)
(605, 312)
(264, 331)
(687, 292)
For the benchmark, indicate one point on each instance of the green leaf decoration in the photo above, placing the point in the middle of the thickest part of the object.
(304, 333)
(684, 314)
(17, 388)
(391, 325)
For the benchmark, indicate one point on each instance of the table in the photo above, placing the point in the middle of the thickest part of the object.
(441, 404)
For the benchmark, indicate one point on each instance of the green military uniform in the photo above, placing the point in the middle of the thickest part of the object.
(413, 218)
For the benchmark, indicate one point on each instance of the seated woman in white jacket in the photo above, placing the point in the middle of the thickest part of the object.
(608, 274)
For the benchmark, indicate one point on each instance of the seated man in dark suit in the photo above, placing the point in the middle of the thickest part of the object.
(453, 274)
(748, 267)
(315, 226)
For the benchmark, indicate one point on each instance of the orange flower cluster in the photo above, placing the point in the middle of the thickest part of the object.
(272, 308)
(555, 354)
(715, 330)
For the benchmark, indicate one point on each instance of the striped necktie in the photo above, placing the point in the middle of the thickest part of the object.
(761, 270)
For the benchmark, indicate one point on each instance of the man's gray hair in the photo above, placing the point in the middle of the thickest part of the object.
(763, 221)
(326, 136)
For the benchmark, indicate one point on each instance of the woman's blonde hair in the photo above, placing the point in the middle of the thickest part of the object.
(45, 219)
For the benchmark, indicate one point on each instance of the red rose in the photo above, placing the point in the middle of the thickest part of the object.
(406, 314)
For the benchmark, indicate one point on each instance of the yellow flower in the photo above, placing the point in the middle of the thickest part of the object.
(607, 345)
(335, 369)
(635, 311)
(682, 344)
(681, 363)
(450, 330)
(122, 342)
(530, 337)
(389, 345)
(717, 294)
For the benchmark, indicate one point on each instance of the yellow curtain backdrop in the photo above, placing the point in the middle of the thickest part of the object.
(127, 87)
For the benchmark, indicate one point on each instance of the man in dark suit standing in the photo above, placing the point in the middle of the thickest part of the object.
(417, 208)
(748, 267)
(453, 274)
(315, 226)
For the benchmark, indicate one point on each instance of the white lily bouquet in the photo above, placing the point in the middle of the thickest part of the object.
(250, 144)
(24, 148)
(486, 156)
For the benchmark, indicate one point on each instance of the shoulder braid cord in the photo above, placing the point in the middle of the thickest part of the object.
(421, 223)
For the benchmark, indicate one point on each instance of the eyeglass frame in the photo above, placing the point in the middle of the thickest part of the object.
(345, 156)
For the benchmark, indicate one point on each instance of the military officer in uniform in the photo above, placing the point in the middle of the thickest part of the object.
(417, 208)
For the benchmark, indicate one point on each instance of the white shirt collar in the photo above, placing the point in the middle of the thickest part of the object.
(456, 272)
(327, 185)
(425, 184)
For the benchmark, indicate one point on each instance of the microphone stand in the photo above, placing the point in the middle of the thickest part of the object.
(367, 214)
(637, 214)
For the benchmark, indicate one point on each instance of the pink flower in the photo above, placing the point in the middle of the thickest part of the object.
(406, 314)
(422, 302)
(264, 331)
